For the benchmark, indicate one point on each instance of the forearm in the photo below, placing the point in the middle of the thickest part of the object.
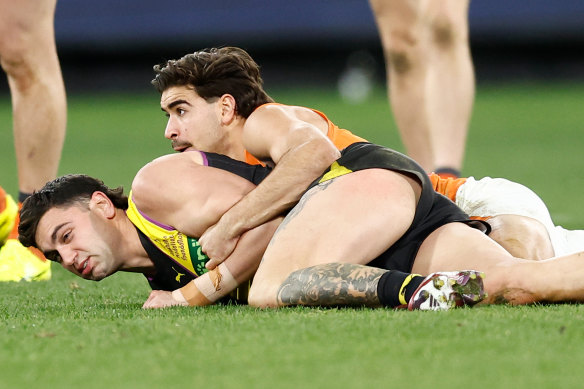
(239, 267)
(208, 288)
(282, 189)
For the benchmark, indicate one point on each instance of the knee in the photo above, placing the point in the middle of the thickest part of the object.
(401, 36)
(402, 51)
(447, 32)
(399, 61)
(442, 33)
(24, 53)
(16, 40)
(14, 59)
(522, 236)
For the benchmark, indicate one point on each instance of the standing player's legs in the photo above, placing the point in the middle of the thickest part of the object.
(430, 77)
(28, 55)
(451, 81)
(342, 221)
(400, 28)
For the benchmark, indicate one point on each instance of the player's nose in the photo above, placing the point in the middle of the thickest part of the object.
(171, 130)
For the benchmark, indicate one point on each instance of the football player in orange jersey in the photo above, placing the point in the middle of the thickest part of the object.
(214, 100)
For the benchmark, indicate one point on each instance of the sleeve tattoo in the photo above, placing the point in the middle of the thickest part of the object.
(333, 284)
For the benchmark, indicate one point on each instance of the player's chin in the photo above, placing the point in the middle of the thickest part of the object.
(96, 274)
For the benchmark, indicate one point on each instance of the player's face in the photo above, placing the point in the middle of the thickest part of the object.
(193, 122)
(73, 237)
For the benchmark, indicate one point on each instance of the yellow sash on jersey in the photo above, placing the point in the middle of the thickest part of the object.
(183, 249)
(335, 171)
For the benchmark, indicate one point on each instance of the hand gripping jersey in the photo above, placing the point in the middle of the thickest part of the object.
(178, 258)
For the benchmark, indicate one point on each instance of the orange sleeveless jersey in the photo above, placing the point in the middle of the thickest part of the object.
(449, 187)
(446, 186)
(342, 138)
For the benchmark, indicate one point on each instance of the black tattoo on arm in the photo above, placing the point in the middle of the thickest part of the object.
(333, 284)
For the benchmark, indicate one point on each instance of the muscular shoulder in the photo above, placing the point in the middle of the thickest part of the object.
(179, 191)
(272, 129)
(156, 183)
(282, 112)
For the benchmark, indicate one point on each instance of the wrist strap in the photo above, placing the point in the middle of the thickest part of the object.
(210, 287)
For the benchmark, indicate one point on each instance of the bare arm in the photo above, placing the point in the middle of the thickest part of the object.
(294, 138)
(239, 267)
(178, 191)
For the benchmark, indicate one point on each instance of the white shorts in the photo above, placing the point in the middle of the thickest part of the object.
(498, 196)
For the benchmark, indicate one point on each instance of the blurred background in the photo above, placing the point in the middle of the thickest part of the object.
(112, 44)
(527, 123)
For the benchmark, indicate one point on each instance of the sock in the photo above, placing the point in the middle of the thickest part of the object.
(447, 172)
(393, 283)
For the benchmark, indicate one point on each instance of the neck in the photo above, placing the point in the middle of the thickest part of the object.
(135, 258)
(234, 140)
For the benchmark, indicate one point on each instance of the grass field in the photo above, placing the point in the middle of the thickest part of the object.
(70, 333)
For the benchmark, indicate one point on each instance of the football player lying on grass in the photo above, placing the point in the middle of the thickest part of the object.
(373, 207)
(215, 102)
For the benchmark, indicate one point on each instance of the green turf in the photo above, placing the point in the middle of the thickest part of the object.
(71, 333)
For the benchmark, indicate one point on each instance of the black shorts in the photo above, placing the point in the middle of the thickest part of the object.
(433, 210)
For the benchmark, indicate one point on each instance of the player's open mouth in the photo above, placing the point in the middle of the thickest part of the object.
(85, 267)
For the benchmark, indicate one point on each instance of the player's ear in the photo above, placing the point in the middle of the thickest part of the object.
(228, 108)
(99, 202)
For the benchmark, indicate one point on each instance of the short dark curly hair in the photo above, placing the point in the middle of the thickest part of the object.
(62, 192)
(214, 72)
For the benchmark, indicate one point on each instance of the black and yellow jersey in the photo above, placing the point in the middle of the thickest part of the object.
(178, 258)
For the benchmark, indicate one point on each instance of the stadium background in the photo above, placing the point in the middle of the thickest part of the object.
(527, 125)
(118, 41)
